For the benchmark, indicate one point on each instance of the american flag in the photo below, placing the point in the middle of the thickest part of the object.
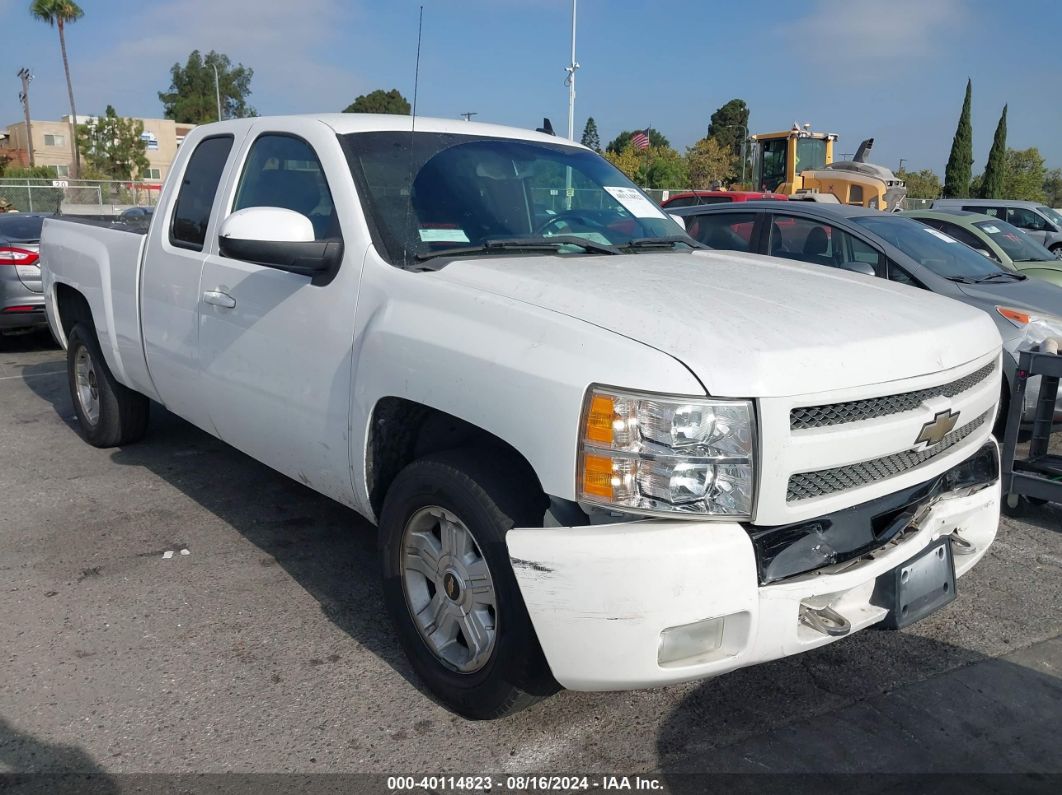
(640, 139)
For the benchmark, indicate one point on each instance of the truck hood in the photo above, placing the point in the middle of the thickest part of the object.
(747, 325)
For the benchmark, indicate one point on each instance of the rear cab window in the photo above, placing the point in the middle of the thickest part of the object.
(199, 186)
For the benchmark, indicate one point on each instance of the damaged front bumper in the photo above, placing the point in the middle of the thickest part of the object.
(653, 602)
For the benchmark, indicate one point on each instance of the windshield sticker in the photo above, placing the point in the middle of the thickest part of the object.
(443, 236)
(634, 202)
(992, 230)
(941, 235)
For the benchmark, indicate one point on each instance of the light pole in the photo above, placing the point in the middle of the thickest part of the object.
(217, 89)
(744, 141)
(25, 76)
(902, 161)
(468, 114)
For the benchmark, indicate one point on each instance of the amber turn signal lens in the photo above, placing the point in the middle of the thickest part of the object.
(1014, 316)
(599, 419)
(597, 475)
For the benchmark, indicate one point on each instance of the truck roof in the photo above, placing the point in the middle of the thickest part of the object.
(345, 123)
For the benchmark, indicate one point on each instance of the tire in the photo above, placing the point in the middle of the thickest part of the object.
(109, 414)
(473, 489)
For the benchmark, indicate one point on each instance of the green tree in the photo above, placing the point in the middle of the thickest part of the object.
(960, 161)
(617, 144)
(629, 160)
(666, 169)
(729, 125)
(192, 98)
(709, 161)
(58, 14)
(590, 137)
(380, 101)
(1024, 174)
(113, 146)
(1053, 187)
(924, 184)
(992, 181)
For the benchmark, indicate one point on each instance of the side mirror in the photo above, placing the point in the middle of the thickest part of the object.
(277, 238)
(859, 267)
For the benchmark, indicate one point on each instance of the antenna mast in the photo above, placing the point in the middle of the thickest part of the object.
(570, 80)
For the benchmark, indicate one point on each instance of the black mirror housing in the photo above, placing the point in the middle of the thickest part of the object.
(306, 258)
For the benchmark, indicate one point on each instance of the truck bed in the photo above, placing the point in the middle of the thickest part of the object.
(101, 258)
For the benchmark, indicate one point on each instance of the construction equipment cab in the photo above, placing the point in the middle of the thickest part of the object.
(799, 163)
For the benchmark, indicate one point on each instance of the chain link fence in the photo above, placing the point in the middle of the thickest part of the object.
(77, 197)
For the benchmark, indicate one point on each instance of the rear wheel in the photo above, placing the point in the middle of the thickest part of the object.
(450, 587)
(109, 413)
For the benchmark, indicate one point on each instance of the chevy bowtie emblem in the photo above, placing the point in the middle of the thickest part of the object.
(934, 431)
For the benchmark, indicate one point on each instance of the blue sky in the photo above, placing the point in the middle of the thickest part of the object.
(891, 69)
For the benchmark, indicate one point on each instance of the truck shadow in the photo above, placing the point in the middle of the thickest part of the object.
(881, 703)
(32, 765)
(325, 547)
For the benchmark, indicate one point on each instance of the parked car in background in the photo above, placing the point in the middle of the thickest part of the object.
(1002, 242)
(137, 213)
(598, 454)
(890, 246)
(21, 296)
(695, 197)
(1041, 223)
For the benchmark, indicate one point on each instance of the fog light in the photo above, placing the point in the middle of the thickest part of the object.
(690, 641)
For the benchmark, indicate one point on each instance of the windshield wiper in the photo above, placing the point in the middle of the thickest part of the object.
(961, 279)
(666, 241)
(551, 244)
(1019, 277)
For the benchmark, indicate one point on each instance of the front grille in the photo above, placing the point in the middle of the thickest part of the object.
(805, 485)
(806, 417)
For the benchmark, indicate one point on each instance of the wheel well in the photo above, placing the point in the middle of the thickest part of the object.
(402, 431)
(72, 307)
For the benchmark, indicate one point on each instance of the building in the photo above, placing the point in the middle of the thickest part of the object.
(51, 144)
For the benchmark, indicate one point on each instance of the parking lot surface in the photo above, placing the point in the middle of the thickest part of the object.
(266, 648)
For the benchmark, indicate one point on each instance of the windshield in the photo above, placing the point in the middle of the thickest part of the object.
(455, 192)
(1015, 244)
(15, 227)
(943, 255)
(1054, 215)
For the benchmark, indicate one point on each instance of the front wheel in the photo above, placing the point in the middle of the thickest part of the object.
(108, 413)
(449, 585)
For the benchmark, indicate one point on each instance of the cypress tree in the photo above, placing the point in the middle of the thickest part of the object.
(590, 137)
(992, 183)
(960, 163)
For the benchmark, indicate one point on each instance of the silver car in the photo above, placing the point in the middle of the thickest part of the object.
(21, 294)
(892, 247)
(1041, 223)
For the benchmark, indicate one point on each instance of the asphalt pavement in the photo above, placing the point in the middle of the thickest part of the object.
(261, 643)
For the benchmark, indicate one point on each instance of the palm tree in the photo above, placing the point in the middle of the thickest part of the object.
(57, 13)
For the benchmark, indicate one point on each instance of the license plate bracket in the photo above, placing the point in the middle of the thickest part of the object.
(917, 587)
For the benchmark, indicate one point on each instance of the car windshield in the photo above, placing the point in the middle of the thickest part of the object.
(430, 193)
(1015, 244)
(1053, 215)
(931, 248)
(15, 227)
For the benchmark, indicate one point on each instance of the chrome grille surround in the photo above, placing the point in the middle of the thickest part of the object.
(808, 485)
(807, 417)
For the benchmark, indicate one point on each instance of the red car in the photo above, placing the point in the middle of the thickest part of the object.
(719, 197)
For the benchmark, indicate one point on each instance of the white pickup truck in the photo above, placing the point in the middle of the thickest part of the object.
(599, 456)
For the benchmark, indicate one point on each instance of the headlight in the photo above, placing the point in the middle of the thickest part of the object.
(659, 454)
(1037, 328)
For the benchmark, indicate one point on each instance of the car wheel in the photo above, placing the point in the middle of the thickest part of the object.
(449, 585)
(108, 413)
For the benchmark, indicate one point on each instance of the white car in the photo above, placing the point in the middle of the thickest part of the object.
(599, 455)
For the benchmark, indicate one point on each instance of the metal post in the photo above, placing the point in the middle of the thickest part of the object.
(29, 193)
(570, 69)
(217, 89)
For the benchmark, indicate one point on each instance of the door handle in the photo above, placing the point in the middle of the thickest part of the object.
(218, 298)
